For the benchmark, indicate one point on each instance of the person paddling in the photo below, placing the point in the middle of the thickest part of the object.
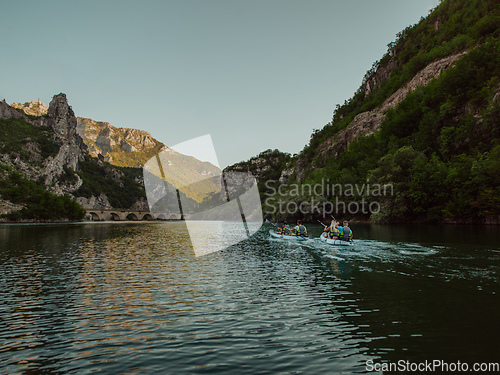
(285, 230)
(300, 230)
(345, 233)
(332, 230)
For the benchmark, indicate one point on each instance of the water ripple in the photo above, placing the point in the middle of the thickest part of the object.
(133, 298)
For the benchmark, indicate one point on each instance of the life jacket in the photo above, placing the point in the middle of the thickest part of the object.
(345, 234)
(301, 231)
(333, 232)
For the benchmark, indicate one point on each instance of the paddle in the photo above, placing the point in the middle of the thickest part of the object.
(324, 226)
(270, 222)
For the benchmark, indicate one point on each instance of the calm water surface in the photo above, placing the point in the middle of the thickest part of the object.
(133, 298)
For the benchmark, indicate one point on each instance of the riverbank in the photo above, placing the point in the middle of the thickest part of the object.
(326, 221)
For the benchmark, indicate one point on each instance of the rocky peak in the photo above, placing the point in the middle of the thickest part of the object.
(62, 120)
(141, 137)
(61, 117)
(33, 108)
(6, 111)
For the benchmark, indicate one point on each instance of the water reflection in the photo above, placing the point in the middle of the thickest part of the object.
(133, 297)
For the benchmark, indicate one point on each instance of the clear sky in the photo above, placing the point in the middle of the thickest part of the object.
(255, 74)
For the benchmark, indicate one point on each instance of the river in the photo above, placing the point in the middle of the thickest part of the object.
(133, 298)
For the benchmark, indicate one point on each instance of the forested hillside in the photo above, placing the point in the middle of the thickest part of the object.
(435, 141)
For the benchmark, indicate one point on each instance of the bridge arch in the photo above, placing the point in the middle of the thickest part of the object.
(93, 216)
(114, 216)
(131, 216)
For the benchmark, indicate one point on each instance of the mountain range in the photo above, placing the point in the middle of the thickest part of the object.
(126, 147)
(119, 146)
(423, 128)
(49, 172)
(132, 148)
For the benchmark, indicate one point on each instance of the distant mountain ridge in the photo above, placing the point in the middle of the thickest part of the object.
(119, 146)
(125, 147)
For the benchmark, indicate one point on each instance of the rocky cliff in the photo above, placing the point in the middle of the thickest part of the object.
(61, 119)
(47, 149)
(7, 111)
(368, 123)
(381, 74)
(424, 122)
(126, 147)
(119, 146)
(364, 124)
(272, 166)
(58, 127)
(78, 138)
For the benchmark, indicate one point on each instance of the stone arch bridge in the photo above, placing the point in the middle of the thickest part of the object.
(129, 215)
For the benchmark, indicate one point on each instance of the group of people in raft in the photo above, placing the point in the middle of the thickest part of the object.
(334, 230)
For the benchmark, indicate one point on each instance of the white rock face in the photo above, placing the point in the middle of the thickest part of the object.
(33, 108)
(120, 146)
(367, 123)
(94, 203)
(69, 155)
